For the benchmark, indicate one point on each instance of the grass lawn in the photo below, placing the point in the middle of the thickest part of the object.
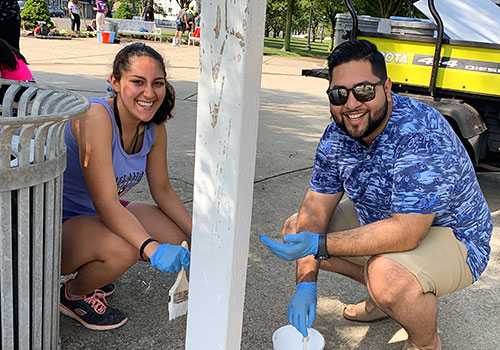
(272, 46)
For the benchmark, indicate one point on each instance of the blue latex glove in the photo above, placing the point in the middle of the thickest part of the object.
(301, 244)
(302, 307)
(169, 258)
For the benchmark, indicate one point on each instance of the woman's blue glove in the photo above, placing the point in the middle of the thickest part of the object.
(169, 258)
(302, 307)
(301, 244)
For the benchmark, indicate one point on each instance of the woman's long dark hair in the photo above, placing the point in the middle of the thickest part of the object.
(9, 56)
(122, 63)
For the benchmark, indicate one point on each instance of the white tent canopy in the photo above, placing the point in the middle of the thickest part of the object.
(472, 20)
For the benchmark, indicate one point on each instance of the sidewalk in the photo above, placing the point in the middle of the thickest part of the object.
(293, 114)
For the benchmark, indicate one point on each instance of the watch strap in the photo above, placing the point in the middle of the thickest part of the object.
(322, 253)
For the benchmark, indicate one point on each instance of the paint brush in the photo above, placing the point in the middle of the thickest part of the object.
(304, 343)
(178, 294)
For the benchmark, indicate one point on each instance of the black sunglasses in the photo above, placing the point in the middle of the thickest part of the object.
(363, 92)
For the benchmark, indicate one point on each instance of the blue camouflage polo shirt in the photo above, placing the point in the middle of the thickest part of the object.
(417, 165)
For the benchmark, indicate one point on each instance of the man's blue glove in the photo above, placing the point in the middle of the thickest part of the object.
(301, 244)
(169, 258)
(302, 307)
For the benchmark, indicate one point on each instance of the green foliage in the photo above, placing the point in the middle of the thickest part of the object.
(34, 11)
(386, 9)
(324, 12)
(273, 46)
(158, 9)
(124, 11)
(275, 21)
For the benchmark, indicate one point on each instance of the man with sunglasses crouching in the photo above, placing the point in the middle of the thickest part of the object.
(414, 226)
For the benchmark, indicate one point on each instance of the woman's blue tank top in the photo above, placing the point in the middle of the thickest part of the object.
(128, 168)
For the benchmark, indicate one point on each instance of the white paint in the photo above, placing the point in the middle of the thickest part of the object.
(232, 36)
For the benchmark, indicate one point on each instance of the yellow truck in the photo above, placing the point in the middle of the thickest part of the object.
(459, 78)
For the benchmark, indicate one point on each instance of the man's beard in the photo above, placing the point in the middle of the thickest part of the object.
(374, 120)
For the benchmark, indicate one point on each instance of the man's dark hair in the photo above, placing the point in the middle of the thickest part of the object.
(357, 50)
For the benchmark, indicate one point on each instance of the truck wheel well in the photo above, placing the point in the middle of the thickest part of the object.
(465, 142)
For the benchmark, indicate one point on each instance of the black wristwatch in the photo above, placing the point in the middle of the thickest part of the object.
(322, 251)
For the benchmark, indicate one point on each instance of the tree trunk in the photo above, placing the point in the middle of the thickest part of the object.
(288, 25)
(330, 46)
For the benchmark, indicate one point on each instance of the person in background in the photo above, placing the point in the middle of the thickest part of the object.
(182, 26)
(197, 20)
(148, 13)
(109, 150)
(192, 6)
(74, 14)
(190, 19)
(13, 66)
(102, 8)
(10, 22)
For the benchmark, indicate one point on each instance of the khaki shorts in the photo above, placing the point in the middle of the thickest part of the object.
(439, 262)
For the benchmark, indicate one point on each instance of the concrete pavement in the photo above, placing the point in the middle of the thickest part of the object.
(293, 114)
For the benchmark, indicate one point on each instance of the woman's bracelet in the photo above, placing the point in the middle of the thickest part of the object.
(143, 246)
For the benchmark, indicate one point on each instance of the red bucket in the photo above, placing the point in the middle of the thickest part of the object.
(106, 37)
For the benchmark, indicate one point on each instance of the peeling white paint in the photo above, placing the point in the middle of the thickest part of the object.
(215, 72)
(226, 136)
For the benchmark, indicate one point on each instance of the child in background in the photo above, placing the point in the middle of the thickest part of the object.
(13, 66)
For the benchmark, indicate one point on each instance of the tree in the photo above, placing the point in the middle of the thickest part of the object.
(187, 2)
(275, 21)
(35, 11)
(329, 9)
(324, 12)
(387, 8)
(288, 25)
(124, 11)
(378, 8)
(159, 9)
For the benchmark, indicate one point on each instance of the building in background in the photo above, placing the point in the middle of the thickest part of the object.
(172, 8)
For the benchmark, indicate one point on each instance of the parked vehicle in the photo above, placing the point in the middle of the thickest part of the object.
(457, 77)
(164, 22)
(56, 11)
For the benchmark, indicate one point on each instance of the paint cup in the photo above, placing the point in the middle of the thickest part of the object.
(289, 338)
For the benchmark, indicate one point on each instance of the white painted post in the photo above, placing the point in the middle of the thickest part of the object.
(232, 37)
